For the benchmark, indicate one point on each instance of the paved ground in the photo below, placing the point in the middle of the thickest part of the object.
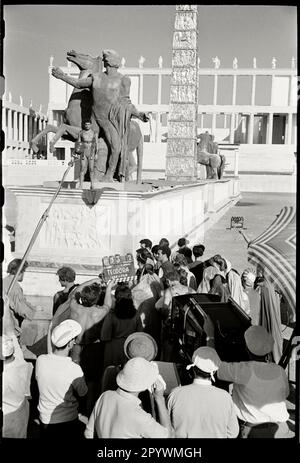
(259, 210)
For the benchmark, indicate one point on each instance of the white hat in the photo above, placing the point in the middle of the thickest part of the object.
(64, 332)
(206, 359)
(258, 340)
(140, 344)
(8, 347)
(137, 375)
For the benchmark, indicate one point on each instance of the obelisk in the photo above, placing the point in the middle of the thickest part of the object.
(182, 121)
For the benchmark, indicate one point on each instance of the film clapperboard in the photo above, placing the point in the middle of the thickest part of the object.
(119, 268)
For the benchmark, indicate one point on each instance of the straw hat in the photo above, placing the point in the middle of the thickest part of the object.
(258, 340)
(140, 345)
(137, 375)
(7, 346)
(65, 332)
(206, 359)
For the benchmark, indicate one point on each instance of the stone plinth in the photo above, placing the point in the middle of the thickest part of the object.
(80, 235)
(182, 121)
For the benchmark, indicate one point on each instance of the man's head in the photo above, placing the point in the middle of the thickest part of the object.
(137, 375)
(90, 295)
(63, 336)
(145, 243)
(172, 277)
(164, 242)
(154, 251)
(182, 242)
(187, 253)
(66, 275)
(205, 362)
(258, 341)
(13, 267)
(87, 125)
(198, 250)
(163, 253)
(111, 58)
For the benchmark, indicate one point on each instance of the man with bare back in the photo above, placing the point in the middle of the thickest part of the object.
(111, 108)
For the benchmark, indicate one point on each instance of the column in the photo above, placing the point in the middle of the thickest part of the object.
(270, 130)
(21, 127)
(213, 122)
(289, 128)
(141, 88)
(201, 121)
(159, 89)
(253, 90)
(250, 129)
(234, 90)
(215, 99)
(181, 159)
(158, 127)
(225, 121)
(9, 124)
(15, 126)
(26, 128)
(232, 126)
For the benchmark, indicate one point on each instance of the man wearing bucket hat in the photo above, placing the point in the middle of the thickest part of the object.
(260, 388)
(60, 381)
(118, 414)
(16, 390)
(200, 410)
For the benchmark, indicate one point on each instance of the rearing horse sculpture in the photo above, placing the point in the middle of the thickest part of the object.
(79, 109)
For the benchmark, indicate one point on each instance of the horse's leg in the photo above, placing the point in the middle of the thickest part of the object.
(64, 129)
(139, 156)
(36, 139)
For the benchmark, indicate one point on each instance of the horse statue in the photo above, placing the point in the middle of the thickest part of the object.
(207, 154)
(79, 109)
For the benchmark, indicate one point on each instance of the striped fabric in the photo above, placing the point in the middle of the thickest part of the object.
(275, 251)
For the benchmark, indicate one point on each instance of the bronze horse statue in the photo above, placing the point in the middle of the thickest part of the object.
(79, 109)
(207, 154)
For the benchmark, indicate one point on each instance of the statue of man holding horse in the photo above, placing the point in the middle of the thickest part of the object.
(111, 109)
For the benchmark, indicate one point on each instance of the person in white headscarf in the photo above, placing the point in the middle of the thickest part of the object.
(200, 410)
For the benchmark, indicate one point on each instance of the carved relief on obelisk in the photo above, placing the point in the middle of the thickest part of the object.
(182, 121)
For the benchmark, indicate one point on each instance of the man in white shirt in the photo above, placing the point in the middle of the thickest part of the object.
(60, 382)
(200, 410)
(16, 389)
(259, 389)
(118, 414)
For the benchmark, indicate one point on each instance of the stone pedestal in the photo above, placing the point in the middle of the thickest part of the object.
(182, 121)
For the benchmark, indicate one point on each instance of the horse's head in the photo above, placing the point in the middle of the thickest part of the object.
(84, 62)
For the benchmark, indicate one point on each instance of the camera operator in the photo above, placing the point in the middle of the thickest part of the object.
(260, 387)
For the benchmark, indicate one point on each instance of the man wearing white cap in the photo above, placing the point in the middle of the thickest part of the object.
(259, 388)
(118, 414)
(16, 390)
(200, 410)
(60, 381)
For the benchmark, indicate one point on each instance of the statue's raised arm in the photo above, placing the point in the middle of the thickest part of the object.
(77, 83)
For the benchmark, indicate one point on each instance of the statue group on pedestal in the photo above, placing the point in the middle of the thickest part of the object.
(99, 117)
(207, 154)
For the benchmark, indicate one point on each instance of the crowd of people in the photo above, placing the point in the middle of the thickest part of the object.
(107, 340)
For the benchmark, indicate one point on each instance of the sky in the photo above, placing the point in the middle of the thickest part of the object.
(35, 32)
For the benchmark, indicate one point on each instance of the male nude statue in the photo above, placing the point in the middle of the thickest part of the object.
(111, 107)
(87, 142)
